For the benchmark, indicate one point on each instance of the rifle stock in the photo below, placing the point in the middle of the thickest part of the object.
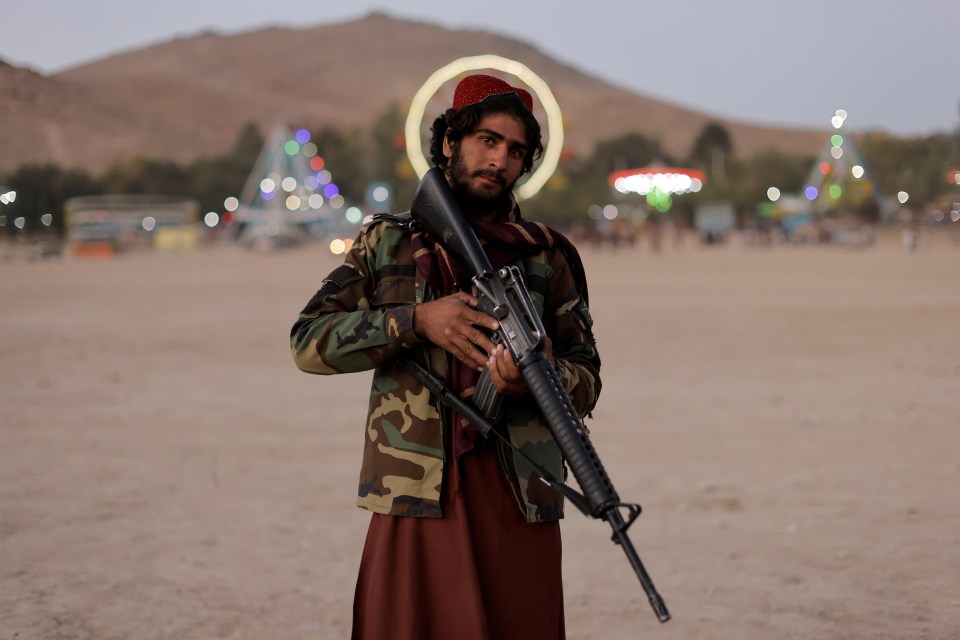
(503, 296)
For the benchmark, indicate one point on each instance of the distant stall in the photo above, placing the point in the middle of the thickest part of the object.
(99, 226)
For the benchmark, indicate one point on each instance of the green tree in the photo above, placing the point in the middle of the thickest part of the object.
(144, 175)
(43, 189)
(387, 156)
(213, 180)
(915, 165)
(343, 156)
(712, 150)
(629, 151)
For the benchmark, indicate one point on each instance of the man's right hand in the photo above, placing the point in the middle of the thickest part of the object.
(454, 324)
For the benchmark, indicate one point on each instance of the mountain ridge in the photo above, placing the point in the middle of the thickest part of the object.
(190, 96)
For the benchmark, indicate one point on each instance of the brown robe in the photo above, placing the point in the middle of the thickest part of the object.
(481, 572)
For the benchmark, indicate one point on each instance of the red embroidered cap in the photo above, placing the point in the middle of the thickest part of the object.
(479, 87)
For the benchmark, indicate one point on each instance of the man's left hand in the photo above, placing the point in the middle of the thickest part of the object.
(504, 372)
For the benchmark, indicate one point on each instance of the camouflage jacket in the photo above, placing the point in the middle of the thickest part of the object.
(361, 319)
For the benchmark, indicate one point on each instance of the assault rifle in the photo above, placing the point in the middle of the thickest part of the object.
(504, 296)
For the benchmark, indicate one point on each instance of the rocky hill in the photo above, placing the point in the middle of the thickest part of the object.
(190, 97)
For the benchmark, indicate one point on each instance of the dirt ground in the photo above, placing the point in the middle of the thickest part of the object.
(789, 417)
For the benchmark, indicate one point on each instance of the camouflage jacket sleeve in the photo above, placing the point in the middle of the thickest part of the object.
(568, 322)
(356, 321)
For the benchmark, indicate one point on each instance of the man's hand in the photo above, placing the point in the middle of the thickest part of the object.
(504, 372)
(453, 324)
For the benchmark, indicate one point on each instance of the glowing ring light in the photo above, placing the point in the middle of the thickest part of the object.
(418, 107)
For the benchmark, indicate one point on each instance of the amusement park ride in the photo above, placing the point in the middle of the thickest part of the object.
(289, 197)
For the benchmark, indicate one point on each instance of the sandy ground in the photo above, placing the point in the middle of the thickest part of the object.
(788, 417)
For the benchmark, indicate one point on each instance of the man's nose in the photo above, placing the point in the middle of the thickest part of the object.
(497, 157)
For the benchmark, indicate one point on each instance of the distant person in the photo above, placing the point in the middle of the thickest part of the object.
(464, 542)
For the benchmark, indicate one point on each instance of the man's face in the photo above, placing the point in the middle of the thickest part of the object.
(487, 162)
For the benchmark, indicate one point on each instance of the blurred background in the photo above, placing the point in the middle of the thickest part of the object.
(129, 128)
(766, 197)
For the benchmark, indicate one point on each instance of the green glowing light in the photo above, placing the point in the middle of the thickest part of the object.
(835, 191)
(292, 147)
(659, 200)
(836, 139)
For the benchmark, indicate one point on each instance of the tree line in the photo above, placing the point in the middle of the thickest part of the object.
(358, 157)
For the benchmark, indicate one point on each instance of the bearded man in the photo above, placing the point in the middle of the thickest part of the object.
(464, 540)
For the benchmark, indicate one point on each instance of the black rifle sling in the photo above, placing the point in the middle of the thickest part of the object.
(476, 417)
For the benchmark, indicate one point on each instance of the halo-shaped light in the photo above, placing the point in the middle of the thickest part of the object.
(418, 107)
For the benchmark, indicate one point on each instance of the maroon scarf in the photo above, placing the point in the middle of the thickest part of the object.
(505, 239)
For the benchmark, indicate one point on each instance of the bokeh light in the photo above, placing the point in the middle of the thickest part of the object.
(211, 219)
(836, 191)
(645, 181)
(353, 215)
(302, 136)
(337, 201)
(267, 185)
(337, 247)
(837, 140)
(659, 199)
(773, 194)
(331, 190)
(610, 212)
(149, 223)
(20, 222)
(316, 163)
(381, 194)
(836, 152)
(857, 171)
(289, 184)
(46, 219)
(293, 203)
(315, 201)
(309, 150)
(292, 147)
(231, 203)
(811, 193)
(902, 197)
(839, 116)
(824, 168)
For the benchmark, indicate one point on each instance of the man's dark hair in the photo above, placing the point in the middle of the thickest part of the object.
(467, 118)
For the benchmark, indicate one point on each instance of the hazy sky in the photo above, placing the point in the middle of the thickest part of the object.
(891, 65)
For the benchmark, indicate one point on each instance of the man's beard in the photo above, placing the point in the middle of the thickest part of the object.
(473, 201)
